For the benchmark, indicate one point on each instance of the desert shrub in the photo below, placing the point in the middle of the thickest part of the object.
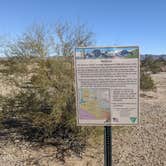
(151, 64)
(155, 67)
(146, 82)
(43, 106)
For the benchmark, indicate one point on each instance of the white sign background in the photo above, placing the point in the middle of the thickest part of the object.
(107, 85)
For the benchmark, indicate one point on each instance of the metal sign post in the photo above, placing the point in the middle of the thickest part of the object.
(107, 146)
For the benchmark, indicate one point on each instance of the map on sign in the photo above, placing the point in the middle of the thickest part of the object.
(94, 103)
(107, 85)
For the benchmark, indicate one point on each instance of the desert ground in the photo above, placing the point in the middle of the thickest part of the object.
(142, 145)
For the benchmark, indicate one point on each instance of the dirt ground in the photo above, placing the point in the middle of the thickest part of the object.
(143, 145)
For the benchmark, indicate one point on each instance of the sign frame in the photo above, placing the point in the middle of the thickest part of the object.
(138, 87)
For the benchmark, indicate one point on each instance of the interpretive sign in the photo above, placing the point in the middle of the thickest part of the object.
(107, 85)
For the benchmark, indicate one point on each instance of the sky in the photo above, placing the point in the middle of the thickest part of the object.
(114, 22)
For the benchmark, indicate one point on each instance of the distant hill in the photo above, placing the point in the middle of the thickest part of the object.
(155, 57)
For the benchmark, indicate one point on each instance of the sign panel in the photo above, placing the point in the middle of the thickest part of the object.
(107, 85)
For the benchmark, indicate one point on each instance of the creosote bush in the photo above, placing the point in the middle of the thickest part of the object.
(146, 82)
(150, 64)
(43, 104)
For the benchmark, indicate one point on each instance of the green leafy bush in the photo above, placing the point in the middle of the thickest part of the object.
(43, 104)
(153, 65)
(146, 82)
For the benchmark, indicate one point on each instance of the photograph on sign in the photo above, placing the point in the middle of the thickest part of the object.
(107, 85)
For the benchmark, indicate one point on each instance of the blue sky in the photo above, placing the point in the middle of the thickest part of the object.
(114, 22)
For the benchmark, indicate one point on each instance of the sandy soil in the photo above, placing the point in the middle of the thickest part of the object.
(143, 145)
